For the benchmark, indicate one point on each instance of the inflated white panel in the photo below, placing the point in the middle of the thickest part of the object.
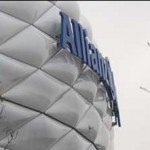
(38, 91)
(71, 8)
(90, 124)
(11, 25)
(87, 84)
(12, 72)
(72, 141)
(65, 109)
(50, 22)
(64, 67)
(24, 10)
(86, 25)
(100, 102)
(11, 119)
(49, 99)
(28, 44)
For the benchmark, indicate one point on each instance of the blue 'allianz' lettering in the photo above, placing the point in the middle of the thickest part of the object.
(76, 40)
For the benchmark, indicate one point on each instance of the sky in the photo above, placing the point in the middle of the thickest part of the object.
(122, 30)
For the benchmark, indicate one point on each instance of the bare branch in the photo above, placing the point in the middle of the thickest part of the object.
(12, 136)
(146, 90)
(2, 106)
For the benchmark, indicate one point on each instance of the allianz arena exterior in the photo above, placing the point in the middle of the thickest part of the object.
(49, 98)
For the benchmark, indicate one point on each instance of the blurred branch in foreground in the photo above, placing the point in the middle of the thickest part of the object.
(148, 43)
(146, 90)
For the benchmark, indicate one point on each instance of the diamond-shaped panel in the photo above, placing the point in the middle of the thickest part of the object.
(64, 67)
(50, 22)
(72, 141)
(24, 10)
(107, 119)
(69, 108)
(12, 72)
(30, 46)
(103, 138)
(90, 124)
(38, 91)
(87, 84)
(9, 26)
(71, 8)
(13, 116)
(100, 102)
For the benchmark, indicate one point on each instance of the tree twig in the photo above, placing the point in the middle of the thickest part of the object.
(146, 90)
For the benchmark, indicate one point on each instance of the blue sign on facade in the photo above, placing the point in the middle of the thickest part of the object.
(74, 37)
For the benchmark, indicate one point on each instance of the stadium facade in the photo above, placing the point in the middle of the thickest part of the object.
(56, 90)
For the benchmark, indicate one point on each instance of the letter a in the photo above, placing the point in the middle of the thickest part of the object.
(66, 38)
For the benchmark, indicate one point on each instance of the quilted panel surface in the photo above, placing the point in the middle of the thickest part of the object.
(50, 100)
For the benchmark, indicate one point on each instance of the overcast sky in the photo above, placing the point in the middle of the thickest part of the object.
(122, 30)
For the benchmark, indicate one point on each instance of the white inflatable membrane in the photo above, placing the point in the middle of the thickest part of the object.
(50, 100)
